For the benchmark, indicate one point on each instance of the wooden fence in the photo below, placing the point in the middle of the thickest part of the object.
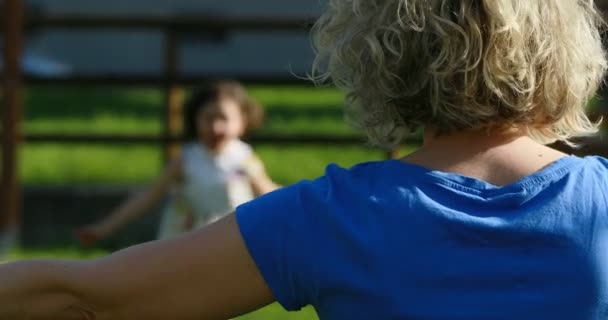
(15, 24)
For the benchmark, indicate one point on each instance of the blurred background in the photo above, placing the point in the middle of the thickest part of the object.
(91, 107)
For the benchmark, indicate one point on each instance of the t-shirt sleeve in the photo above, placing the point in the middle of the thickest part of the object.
(277, 229)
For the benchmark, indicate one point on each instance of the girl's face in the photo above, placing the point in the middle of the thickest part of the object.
(220, 122)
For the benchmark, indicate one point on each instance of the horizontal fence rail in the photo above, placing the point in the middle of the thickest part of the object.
(151, 80)
(595, 145)
(174, 24)
(313, 139)
(192, 22)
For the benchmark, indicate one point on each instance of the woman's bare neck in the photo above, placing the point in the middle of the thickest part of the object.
(499, 158)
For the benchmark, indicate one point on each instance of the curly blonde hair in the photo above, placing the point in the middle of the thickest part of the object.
(462, 64)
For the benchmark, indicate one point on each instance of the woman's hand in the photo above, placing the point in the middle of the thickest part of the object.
(28, 291)
(207, 274)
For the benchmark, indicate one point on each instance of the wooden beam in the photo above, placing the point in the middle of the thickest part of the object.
(276, 139)
(181, 23)
(10, 202)
(158, 81)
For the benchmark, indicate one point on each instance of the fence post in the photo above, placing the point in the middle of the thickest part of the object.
(173, 104)
(10, 198)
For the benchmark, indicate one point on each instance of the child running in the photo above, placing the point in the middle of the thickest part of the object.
(215, 173)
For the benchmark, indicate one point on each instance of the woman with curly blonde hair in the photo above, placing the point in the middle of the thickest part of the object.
(483, 221)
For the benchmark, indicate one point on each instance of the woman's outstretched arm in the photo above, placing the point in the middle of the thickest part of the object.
(207, 274)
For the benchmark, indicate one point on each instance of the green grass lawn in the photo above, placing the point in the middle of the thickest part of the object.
(290, 110)
(272, 312)
(52, 164)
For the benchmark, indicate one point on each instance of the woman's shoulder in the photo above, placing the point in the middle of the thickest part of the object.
(596, 166)
(357, 180)
(368, 170)
(599, 161)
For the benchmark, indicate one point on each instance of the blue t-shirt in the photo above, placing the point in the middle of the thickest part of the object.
(390, 240)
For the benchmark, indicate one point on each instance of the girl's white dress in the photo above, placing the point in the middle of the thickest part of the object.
(213, 185)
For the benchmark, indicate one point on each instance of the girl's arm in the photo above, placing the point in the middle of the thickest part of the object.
(134, 207)
(260, 181)
(191, 277)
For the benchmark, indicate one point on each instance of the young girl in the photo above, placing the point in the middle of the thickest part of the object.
(483, 221)
(215, 173)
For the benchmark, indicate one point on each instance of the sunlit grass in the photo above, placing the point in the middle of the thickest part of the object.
(132, 111)
(81, 164)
